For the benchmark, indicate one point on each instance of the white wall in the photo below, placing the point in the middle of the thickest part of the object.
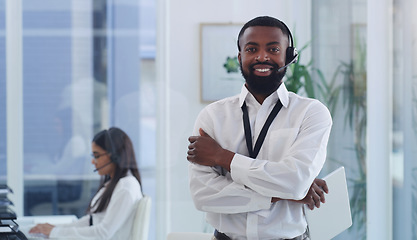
(179, 78)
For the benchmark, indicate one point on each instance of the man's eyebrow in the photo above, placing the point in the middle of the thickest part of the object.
(268, 44)
(252, 43)
(273, 43)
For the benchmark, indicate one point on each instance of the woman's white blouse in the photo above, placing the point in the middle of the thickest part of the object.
(114, 223)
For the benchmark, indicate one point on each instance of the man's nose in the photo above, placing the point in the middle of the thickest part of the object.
(263, 57)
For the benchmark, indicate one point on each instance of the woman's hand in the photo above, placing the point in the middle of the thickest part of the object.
(44, 228)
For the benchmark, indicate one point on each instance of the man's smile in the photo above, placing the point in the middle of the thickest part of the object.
(262, 70)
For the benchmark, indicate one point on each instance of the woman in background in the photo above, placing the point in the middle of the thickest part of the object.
(112, 209)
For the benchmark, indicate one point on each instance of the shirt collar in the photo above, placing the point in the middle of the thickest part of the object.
(281, 93)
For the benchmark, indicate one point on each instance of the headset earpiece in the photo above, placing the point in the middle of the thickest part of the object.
(291, 55)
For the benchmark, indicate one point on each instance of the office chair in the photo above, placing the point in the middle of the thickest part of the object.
(141, 220)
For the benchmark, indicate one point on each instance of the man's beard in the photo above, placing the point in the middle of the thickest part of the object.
(264, 85)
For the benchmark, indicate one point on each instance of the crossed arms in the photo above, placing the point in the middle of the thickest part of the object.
(203, 150)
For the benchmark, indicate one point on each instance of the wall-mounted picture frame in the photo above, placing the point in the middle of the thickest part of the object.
(219, 67)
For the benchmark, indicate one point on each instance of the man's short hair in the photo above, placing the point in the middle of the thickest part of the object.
(264, 21)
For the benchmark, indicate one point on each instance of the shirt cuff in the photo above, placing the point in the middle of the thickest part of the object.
(239, 167)
(239, 174)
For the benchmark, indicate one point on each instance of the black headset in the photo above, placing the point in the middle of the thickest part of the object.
(291, 55)
(113, 155)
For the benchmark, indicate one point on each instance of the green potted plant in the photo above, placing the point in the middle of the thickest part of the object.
(353, 93)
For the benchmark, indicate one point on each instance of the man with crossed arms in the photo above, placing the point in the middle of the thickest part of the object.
(257, 190)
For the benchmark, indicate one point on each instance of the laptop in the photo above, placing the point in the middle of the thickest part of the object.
(333, 217)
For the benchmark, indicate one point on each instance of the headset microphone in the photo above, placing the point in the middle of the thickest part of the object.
(95, 170)
(291, 62)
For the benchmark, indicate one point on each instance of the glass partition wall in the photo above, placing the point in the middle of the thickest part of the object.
(59, 95)
(339, 50)
(3, 146)
(74, 83)
(339, 65)
(404, 163)
(82, 72)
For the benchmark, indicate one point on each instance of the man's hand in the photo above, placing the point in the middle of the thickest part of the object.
(315, 194)
(204, 150)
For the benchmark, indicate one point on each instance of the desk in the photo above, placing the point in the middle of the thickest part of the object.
(26, 223)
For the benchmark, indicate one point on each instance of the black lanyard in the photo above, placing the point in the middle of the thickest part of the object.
(254, 152)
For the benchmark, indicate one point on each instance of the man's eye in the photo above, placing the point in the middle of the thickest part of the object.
(250, 49)
(274, 50)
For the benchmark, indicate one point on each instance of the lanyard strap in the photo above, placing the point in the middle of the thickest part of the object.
(246, 124)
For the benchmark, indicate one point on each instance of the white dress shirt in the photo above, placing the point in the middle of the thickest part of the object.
(114, 223)
(238, 203)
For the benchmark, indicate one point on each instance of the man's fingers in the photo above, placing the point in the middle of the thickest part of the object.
(316, 199)
(310, 204)
(325, 188)
(190, 152)
(316, 194)
(190, 157)
(322, 184)
(317, 203)
(320, 187)
(319, 192)
(192, 139)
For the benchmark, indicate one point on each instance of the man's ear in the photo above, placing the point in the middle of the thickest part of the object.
(238, 58)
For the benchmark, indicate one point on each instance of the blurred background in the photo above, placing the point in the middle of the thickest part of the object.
(70, 68)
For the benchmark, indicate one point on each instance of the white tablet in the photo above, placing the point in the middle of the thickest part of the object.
(333, 217)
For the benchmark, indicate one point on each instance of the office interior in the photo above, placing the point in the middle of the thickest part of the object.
(69, 68)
